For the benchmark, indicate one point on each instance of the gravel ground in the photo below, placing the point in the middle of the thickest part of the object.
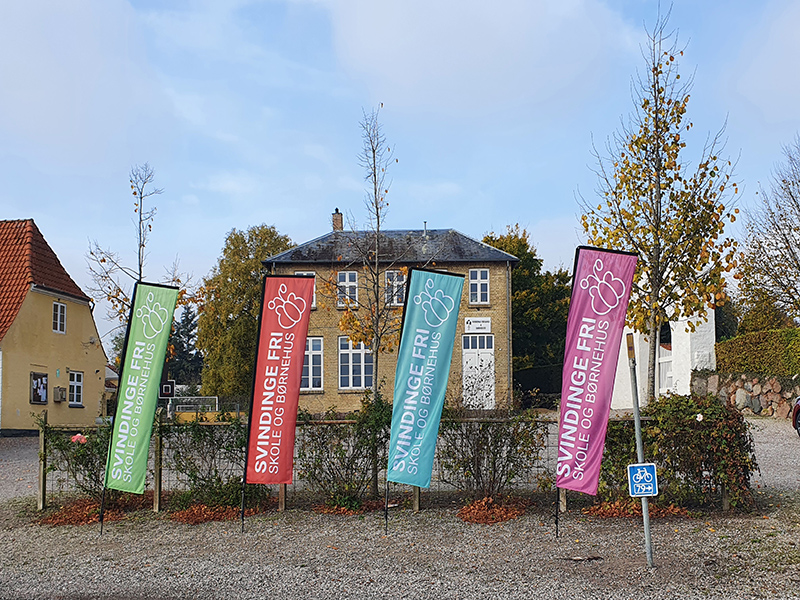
(433, 554)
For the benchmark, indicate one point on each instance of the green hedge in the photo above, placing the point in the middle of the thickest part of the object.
(775, 352)
(700, 445)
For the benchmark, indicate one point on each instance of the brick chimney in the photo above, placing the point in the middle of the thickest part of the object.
(338, 223)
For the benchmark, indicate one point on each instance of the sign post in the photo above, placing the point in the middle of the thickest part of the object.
(643, 470)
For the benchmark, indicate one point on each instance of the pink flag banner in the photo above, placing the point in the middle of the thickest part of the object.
(601, 288)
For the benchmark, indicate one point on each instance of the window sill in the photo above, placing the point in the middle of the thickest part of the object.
(353, 390)
(73, 405)
(311, 392)
(479, 306)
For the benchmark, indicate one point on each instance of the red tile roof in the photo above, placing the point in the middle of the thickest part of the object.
(26, 259)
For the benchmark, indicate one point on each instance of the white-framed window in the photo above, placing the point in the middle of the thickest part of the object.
(314, 293)
(346, 288)
(479, 286)
(395, 288)
(355, 365)
(59, 317)
(75, 388)
(312, 365)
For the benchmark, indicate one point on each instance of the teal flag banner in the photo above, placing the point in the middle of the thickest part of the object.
(423, 368)
(146, 341)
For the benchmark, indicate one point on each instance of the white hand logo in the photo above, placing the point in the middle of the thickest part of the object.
(289, 308)
(154, 317)
(607, 290)
(436, 307)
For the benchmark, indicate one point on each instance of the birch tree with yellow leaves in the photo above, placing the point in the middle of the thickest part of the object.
(655, 203)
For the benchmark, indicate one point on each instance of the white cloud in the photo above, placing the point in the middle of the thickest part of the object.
(75, 80)
(471, 54)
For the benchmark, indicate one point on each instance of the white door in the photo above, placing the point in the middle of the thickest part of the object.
(478, 370)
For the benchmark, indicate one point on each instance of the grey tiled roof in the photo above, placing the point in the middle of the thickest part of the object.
(411, 246)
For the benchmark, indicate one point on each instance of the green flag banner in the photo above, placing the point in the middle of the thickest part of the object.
(423, 368)
(149, 327)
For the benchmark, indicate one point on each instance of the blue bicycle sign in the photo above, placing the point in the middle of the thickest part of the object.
(642, 480)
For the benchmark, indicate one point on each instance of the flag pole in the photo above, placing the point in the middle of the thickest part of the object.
(386, 510)
(242, 512)
(557, 509)
(102, 508)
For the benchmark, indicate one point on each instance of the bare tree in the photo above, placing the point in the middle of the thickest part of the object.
(372, 317)
(112, 278)
(771, 260)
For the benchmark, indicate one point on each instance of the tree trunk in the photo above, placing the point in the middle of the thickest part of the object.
(374, 442)
(652, 357)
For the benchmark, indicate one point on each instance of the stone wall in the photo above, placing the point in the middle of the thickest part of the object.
(751, 394)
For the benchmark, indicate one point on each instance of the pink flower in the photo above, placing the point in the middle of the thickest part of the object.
(79, 438)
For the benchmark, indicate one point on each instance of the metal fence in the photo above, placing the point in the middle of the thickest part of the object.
(171, 456)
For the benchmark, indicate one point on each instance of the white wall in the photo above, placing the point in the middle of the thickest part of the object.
(691, 351)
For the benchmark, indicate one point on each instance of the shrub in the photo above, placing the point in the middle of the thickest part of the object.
(699, 444)
(619, 452)
(335, 458)
(82, 455)
(373, 427)
(208, 457)
(486, 457)
(775, 352)
(703, 445)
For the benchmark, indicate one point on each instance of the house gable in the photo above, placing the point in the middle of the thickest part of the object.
(51, 356)
(337, 371)
(28, 260)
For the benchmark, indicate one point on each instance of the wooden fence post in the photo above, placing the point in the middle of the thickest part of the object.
(157, 462)
(41, 496)
(282, 497)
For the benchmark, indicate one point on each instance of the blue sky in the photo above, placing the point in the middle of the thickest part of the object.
(248, 111)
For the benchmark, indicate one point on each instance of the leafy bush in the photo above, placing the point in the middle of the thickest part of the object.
(619, 452)
(373, 427)
(704, 445)
(334, 457)
(208, 457)
(82, 455)
(699, 444)
(341, 458)
(487, 456)
(775, 352)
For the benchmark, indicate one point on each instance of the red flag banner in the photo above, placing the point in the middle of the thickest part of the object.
(601, 288)
(280, 349)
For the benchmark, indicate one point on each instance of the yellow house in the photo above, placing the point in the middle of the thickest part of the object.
(337, 371)
(50, 353)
